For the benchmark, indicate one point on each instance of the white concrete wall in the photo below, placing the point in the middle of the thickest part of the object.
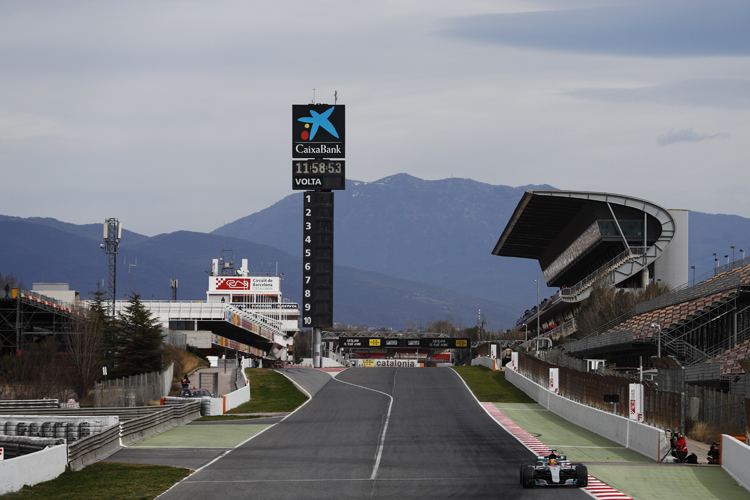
(34, 468)
(198, 338)
(236, 398)
(673, 265)
(644, 439)
(482, 361)
(735, 455)
(216, 406)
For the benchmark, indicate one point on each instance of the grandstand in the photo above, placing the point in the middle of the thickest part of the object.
(581, 237)
(28, 316)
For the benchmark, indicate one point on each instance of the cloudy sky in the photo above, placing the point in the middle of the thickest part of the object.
(175, 115)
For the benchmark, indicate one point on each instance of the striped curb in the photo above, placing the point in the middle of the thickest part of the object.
(596, 488)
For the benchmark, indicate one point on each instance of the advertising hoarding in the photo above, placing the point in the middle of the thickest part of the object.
(254, 284)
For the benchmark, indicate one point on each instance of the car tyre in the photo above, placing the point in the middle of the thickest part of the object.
(582, 476)
(527, 476)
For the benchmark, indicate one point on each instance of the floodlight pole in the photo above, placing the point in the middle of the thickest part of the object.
(112, 236)
(537, 312)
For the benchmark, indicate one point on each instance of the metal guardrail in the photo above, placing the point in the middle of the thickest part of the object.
(633, 253)
(29, 403)
(91, 448)
(147, 422)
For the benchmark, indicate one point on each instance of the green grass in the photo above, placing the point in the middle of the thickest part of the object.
(105, 481)
(270, 392)
(490, 386)
(220, 418)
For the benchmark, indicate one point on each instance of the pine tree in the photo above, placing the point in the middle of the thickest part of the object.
(112, 341)
(141, 340)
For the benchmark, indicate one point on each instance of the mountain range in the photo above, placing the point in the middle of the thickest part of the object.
(407, 251)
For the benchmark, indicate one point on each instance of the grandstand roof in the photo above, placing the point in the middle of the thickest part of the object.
(536, 222)
(542, 215)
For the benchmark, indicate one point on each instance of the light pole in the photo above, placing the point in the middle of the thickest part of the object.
(537, 306)
(693, 268)
(526, 332)
(732, 247)
(727, 257)
(742, 251)
(658, 339)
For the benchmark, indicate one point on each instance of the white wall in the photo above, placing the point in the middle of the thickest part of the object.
(735, 455)
(644, 439)
(482, 361)
(673, 266)
(34, 468)
(236, 398)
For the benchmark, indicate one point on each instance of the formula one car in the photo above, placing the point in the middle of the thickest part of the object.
(554, 470)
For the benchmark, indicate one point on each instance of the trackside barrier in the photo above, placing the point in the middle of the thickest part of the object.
(492, 364)
(735, 455)
(34, 468)
(644, 439)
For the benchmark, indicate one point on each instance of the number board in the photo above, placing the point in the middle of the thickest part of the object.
(318, 174)
(317, 260)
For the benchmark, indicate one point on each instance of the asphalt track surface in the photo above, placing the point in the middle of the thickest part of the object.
(375, 433)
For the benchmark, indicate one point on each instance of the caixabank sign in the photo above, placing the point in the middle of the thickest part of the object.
(318, 131)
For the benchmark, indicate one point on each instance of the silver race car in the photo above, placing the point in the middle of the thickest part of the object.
(554, 470)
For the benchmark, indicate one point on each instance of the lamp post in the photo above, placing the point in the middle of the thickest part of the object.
(742, 251)
(693, 268)
(732, 247)
(658, 339)
(537, 306)
(727, 257)
(526, 332)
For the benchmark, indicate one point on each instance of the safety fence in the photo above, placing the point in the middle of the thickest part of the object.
(662, 409)
(718, 408)
(137, 390)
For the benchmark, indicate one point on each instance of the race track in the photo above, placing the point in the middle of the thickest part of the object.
(375, 433)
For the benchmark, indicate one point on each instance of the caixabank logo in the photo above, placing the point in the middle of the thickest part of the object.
(318, 131)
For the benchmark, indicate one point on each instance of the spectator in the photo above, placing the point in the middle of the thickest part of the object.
(7, 291)
(680, 448)
(185, 382)
(714, 454)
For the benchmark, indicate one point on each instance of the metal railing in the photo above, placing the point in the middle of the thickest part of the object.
(633, 253)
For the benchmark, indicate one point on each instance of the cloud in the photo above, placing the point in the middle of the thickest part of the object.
(715, 93)
(656, 29)
(687, 135)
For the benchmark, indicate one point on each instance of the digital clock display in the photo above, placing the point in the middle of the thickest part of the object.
(318, 174)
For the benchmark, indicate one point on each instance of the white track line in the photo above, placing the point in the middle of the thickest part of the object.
(385, 427)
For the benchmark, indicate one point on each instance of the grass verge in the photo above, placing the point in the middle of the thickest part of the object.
(490, 386)
(270, 392)
(221, 418)
(105, 481)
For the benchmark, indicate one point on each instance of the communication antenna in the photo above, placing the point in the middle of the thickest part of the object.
(112, 236)
(335, 97)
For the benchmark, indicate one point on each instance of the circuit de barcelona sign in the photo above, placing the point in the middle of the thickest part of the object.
(318, 131)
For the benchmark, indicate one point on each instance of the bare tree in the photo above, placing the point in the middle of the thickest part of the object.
(85, 345)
